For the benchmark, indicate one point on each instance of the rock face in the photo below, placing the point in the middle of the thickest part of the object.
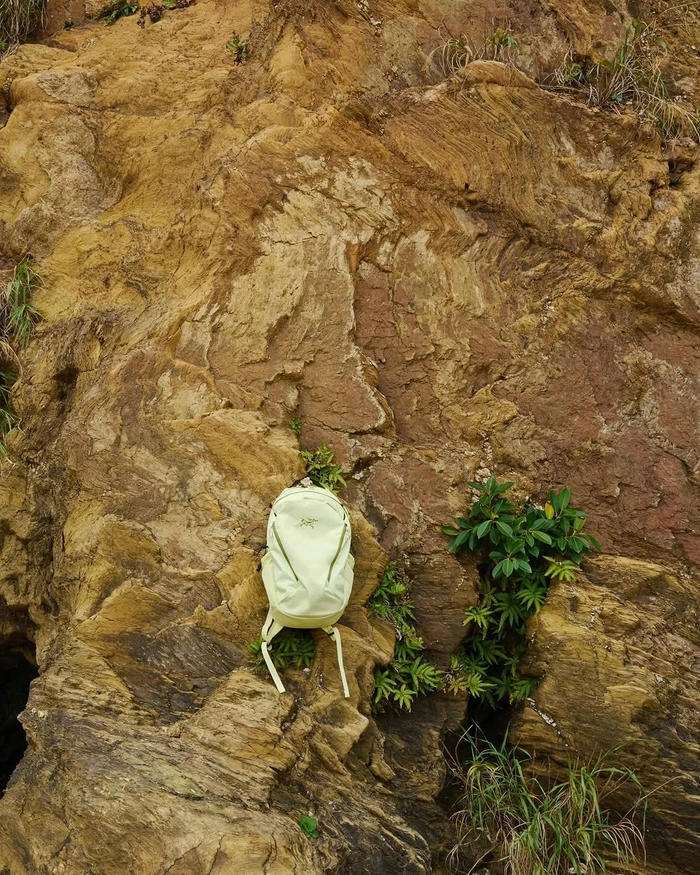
(627, 643)
(442, 278)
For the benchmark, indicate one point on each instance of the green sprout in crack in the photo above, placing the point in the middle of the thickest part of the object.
(409, 674)
(520, 551)
(238, 48)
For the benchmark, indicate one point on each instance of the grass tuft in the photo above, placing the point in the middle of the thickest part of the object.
(17, 316)
(18, 18)
(457, 53)
(632, 79)
(536, 824)
(17, 320)
(500, 43)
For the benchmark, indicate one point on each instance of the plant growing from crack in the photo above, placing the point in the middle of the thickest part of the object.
(115, 9)
(630, 77)
(238, 48)
(321, 469)
(409, 674)
(501, 41)
(290, 647)
(17, 320)
(309, 826)
(515, 811)
(519, 551)
(456, 53)
(295, 424)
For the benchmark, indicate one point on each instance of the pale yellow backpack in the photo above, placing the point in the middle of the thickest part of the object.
(308, 567)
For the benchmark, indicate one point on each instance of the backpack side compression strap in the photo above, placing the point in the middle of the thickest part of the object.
(335, 635)
(270, 628)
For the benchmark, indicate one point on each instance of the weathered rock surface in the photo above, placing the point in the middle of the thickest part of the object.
(442, 278)
(629, 637)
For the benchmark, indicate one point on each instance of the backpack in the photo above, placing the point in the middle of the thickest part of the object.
(308, 567)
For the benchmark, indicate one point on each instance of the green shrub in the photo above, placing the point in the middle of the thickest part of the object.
(321, 470)
(538, 825)
(408, 674)
(519, 552)
(288, 647)
(18, 18)
(116, 9)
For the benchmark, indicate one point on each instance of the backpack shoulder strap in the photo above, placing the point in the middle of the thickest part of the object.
(270, 628)
(335, 635)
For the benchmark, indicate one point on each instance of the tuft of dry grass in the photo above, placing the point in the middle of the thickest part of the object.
(537, 824)
(632, 79)
(18, 18)
(17, 320)
(457, 53)
(17, 316)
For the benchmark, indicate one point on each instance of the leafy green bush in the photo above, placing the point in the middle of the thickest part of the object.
(519, 551)
(115, 9)
(321, 470)
(408, 674)
(537, 825)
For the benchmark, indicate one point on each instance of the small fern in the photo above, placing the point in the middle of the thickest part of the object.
(289, 647)
(409, 674)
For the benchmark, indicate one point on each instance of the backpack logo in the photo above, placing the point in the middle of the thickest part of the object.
(308, 521)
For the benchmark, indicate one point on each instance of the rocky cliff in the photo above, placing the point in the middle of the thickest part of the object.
(442, 276)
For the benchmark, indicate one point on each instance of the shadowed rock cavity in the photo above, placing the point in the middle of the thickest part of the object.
(17, 671)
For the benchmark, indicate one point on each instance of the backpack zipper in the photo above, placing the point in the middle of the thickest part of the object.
(337, 553)
(336, 505)
(284, 552)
